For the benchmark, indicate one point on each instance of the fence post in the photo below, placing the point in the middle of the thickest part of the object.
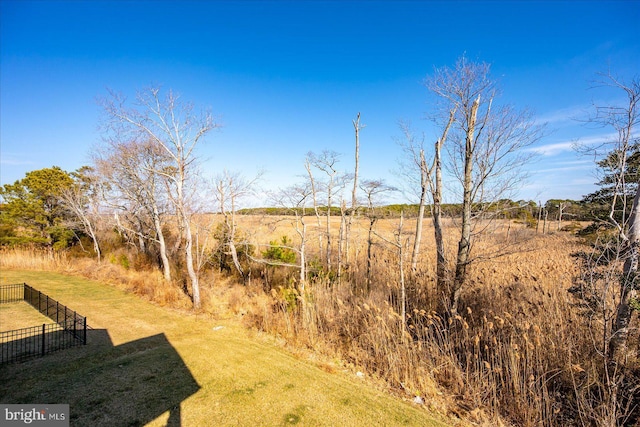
(43, 340)
(84, 338)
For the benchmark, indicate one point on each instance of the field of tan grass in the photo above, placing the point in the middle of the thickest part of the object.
(521, 352)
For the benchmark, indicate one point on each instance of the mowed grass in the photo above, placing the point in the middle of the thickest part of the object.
(146, 365)
(17, 315)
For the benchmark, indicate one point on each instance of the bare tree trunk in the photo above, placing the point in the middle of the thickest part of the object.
(354, 192)
(75, 201)
(89, 227)
(561, 207)
(628, 284)
(232, 236)
(162, 246)
(328, 229)
(193, 276)
(372, 221)
(464, 245)
(314, 198)
(442, 276)
(307, 314)
(486, 153)
(188, 247)
(424, 182)
(341, 236)
(539, 217)
(403, 289)
(325, 162)
(303, 256)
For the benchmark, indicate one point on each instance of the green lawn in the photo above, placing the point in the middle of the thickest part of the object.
(148, 365)
(17, 315)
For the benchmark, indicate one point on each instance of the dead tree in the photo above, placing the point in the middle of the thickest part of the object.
(357, 127)
(175, 129)
(326, 162)
(229, 189)
(485, 149)
(128, 167)
(372, 190)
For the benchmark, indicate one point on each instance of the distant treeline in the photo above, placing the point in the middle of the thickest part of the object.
(571, 210)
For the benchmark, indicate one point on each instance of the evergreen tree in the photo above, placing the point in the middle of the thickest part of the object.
(618, 185)
(32, 210)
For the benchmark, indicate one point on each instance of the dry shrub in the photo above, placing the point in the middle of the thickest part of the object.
(33, 259)
(519, 352)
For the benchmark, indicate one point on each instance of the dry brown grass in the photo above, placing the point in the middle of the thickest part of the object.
(33, 259)
(520, 352)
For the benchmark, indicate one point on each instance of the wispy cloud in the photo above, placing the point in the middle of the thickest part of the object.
(567, 168)
(554, 149)
(564, 146)
(569, 114)
(12, 160)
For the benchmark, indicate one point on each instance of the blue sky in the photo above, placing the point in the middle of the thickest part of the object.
(285, 78)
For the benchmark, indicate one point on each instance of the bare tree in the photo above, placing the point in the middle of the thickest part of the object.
(399, 245)
(628, 283)
(621, 160)
(485, 150)
(296, 199)
(230, 188)
(313, 187)
(414, 151)
(129, 168)
(357, 127)
(372, 190)
(326, 162)
(174, 127)
(82, 199)
(561, 208)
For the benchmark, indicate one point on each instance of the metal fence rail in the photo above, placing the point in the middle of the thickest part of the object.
(22, 344)
(59, 313)
(69, 330)
(11, 293)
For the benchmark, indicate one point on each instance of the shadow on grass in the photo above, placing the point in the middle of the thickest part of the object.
(126, 385)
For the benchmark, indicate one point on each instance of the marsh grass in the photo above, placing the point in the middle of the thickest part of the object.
(521, 351)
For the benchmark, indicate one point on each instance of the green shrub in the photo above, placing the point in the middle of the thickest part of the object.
(61, 237)
(220, 255)
(280, 252)
(288, 297)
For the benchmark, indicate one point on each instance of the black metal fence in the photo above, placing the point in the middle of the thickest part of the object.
(69, 330)
(11, 293)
